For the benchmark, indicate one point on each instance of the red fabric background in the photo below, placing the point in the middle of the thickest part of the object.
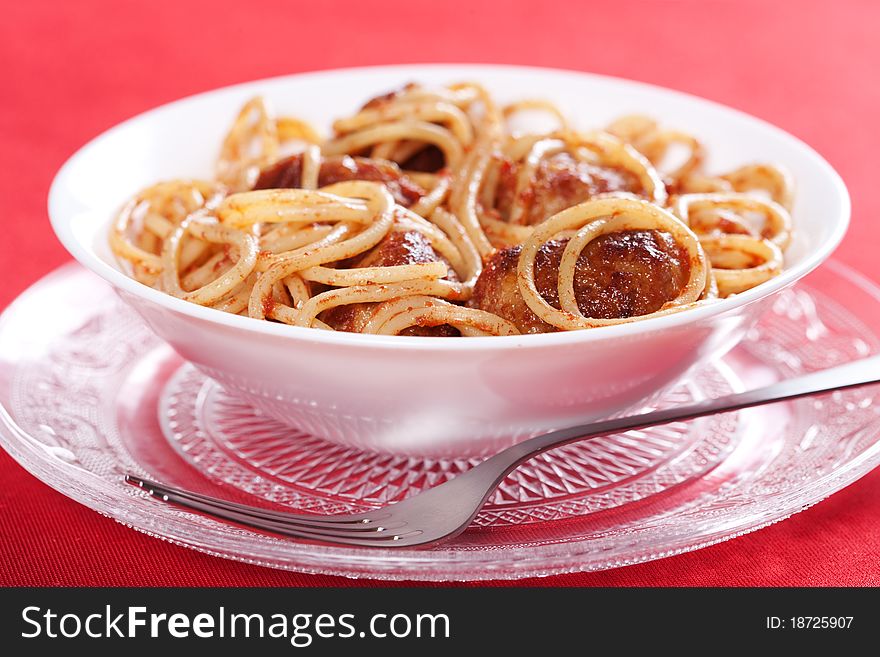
(71, 70)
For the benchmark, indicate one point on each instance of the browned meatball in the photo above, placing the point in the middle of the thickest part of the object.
(398, 248)
(560, 182)
(618, 275)
(384, 99)
(287, 173)
(430, 159)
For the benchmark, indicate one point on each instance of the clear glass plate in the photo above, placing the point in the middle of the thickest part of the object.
(87, 393)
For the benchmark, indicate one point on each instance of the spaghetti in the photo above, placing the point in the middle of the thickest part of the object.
(427, 213)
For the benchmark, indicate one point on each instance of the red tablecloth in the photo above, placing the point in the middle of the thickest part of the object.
(71, 70)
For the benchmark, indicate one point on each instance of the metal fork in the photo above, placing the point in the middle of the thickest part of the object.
(442, 512)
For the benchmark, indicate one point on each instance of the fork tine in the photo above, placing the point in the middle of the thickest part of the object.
(361, 522)
(373, 537)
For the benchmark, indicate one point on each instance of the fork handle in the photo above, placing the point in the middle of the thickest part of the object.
(851, 375)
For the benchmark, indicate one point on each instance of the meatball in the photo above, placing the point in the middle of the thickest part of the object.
(559, 182)
(394, 94)
(624, 274)
(397, 248)
(287, 173)
(428, 160)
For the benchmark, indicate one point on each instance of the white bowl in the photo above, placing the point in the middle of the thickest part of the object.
(418, 395)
